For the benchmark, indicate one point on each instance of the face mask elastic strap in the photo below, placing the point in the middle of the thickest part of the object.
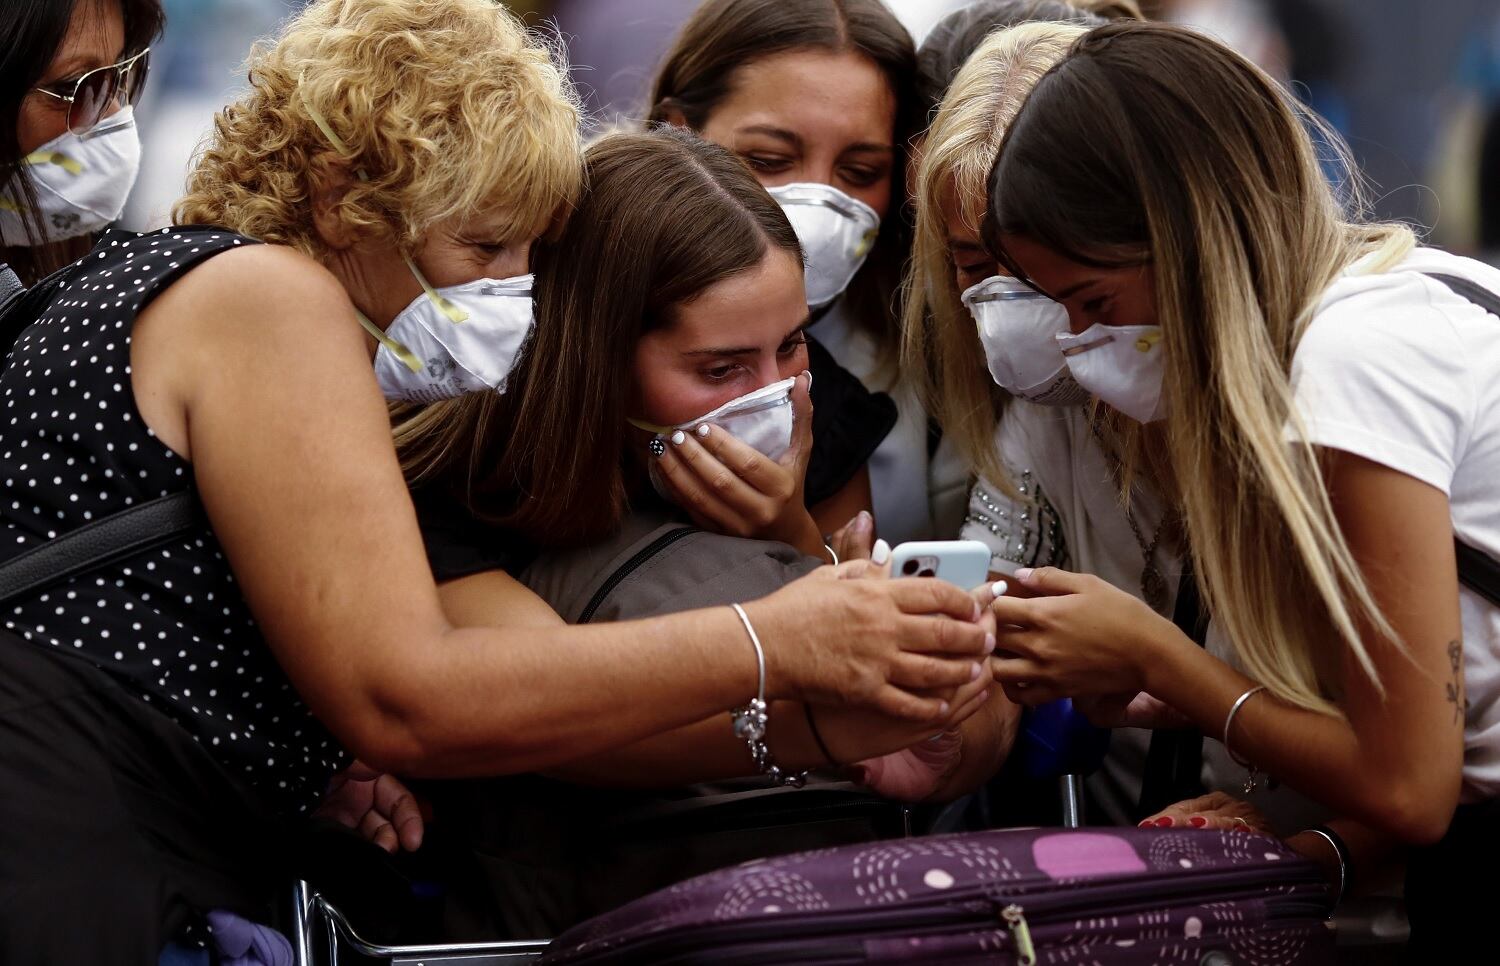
(54, 157)
(407, 357)
(453, 312)
(649, 427)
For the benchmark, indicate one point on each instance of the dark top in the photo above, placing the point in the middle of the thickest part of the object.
(849, 422)
(170, 623)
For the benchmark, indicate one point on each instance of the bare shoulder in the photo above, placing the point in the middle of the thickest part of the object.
(264, 286)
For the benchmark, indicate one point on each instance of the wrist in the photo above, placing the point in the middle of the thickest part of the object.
(800, 530)
(764, 617)
(1161, 657)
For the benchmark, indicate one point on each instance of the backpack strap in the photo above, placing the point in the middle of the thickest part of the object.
(100, 543)
(1477, 569)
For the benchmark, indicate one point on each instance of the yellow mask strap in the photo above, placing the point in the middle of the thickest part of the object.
(407, 357)
(328, 131)
(453, 312)
(658, 430)
(54, 157)
(1147, 342)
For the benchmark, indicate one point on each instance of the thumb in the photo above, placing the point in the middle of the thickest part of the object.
(1051, 581)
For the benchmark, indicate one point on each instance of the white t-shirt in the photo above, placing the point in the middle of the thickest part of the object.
(1071, 517)
(1399, 369)
(916, 497)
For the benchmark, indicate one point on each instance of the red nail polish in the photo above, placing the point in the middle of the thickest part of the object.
(1198, 821)
(1164, 822)
(1146, 823)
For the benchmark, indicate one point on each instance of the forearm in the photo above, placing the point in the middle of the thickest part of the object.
(706, 750)
(1319, 755)
(526, 699)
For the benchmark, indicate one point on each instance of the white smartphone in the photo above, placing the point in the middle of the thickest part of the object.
(964, 563)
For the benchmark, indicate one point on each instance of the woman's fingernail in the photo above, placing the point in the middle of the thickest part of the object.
(1146, 823)
(989, 644)
(865, 519)
(808, 374)
(1164, 822)
(978, 612)
(1198, 821)
(657, 447)
(984, 695)
(1024, 574)
(975, 671)
(944, 708)
(702, 430)
(881, 553)
(678, 438)
(998, 588)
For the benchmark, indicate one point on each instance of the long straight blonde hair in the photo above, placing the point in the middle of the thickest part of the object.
(1155, 144)
(941, 351)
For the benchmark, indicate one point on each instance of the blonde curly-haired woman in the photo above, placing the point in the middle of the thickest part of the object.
(376, 188)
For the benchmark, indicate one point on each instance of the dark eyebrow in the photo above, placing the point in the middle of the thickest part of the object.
(72, 67)
(779, 133)
(870, 148)
(966, 246)
(1070, 291)
(750, 349)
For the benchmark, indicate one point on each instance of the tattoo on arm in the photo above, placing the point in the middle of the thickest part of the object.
(1456, 687)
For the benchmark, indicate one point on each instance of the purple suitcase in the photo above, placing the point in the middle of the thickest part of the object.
(1086, 896)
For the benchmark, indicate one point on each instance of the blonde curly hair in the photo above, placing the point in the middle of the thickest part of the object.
(443, 108)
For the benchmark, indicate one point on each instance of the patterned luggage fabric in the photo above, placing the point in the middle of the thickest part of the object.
(1092, 896)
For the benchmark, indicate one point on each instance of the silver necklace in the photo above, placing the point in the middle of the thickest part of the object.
(1153, 584)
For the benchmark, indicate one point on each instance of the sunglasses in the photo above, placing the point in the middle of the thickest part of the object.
(98, 93)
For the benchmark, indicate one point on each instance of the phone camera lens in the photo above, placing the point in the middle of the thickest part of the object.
(927, 572)
(910, 567)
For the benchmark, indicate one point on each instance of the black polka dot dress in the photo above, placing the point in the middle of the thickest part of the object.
(169, 623)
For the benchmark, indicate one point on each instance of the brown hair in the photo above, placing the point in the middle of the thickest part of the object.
(665, 216)
(1151, 143)
(34, 31)
(724, 35)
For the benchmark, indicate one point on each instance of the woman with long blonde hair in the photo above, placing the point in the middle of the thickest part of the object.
(1319, 395)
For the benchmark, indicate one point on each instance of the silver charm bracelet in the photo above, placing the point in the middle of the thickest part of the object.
(750, 720)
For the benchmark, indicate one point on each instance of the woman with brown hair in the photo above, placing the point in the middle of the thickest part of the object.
(70, 74)
(644, 318)
(818, 99)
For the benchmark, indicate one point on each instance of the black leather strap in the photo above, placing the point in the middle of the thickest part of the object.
(115, 537)
(1174, 759)
(1477, 569)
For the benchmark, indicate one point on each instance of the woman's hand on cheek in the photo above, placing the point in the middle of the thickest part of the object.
(732, 488)
(1082, 637)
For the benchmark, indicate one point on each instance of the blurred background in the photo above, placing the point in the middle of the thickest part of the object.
(1414, 85)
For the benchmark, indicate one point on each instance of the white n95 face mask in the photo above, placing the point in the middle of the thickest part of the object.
(761, 420)
(1124, 365)
(81, 182)
(454, 340)
(836, 232)
(1018, 327)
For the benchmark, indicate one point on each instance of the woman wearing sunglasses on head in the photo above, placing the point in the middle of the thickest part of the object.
(70, 73)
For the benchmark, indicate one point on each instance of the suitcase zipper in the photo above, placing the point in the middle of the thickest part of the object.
(1020, 933)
